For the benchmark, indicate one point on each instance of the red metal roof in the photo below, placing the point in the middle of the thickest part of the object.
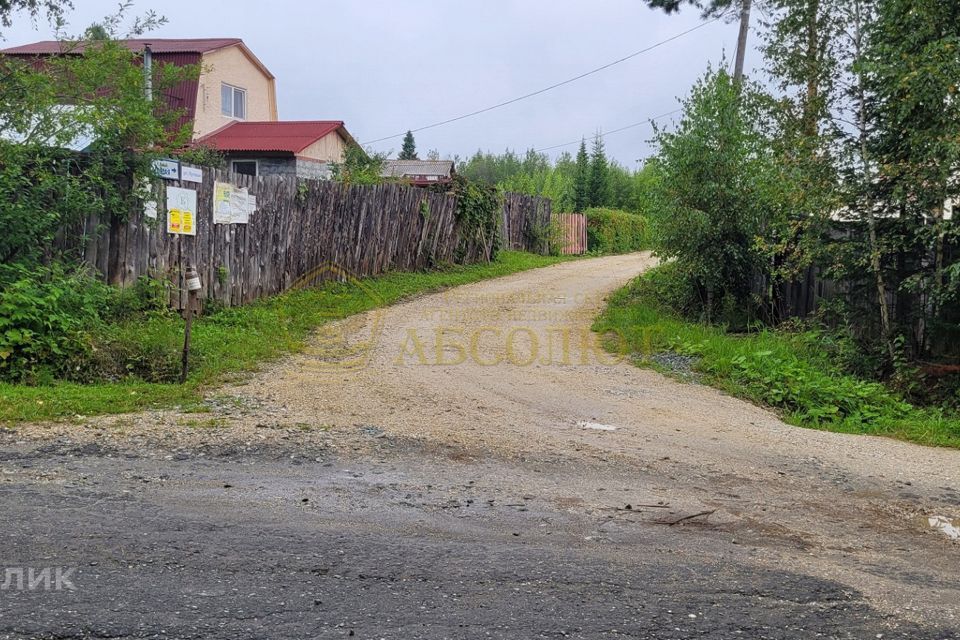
(291, 136)
(157, 45)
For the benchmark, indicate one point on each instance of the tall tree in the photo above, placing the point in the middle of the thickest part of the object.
(409, 150)
(801, 51)
(713, 8)
(52, 9)
(598, 184)
(912, 71)
(581, 179)
(799, 47)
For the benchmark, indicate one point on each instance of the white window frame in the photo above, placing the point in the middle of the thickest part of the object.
(256, 164)
(233, 101)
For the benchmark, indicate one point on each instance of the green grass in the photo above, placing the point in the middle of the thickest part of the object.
(794, 373)
(237, 341)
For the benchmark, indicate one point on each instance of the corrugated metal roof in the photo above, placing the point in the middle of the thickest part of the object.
(292, 136)
(157, 45)
(401, 168)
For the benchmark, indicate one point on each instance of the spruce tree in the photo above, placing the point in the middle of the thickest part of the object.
(581, 179)
(409, 150)
(597, 184)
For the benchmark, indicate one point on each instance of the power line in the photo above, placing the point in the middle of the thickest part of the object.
(553, 86)
(604, 135)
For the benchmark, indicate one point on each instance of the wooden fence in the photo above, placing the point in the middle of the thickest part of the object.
(574, 232)
(526, 220)
(297, 227)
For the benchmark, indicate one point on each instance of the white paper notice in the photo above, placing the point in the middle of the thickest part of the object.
(222, 195)
(238, 206)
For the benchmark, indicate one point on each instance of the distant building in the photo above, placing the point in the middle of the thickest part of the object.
(304, 149)
(420, 172)
(233, 84)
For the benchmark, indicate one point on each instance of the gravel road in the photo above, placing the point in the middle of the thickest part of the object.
(471, 465)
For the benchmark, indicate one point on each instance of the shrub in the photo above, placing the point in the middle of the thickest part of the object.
(54, 323)
(44, 315)
(671, 288)
(615, 231)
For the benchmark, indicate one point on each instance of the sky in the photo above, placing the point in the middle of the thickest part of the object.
(385, 66)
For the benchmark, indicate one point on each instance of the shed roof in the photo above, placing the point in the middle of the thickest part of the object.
(401, 168)
(290, 136)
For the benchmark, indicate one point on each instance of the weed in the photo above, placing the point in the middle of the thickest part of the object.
(207, 423)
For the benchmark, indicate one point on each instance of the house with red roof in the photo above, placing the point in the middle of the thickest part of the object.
(305, 149)
(233, 86)
(232, 106)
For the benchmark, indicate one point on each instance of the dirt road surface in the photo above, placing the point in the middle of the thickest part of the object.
(470, 465)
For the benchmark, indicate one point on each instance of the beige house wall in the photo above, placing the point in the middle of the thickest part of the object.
(234, 67)
(329, 148)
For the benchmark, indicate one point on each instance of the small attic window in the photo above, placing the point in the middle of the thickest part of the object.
(233, 101)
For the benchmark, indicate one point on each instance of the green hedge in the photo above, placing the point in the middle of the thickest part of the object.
(615, 231)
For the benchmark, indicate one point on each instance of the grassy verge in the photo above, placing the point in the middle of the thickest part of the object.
(794, 373)
(238, 340)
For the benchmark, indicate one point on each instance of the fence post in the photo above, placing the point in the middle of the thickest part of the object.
(193, 287)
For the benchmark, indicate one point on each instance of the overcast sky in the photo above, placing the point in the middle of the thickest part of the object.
(385, 66)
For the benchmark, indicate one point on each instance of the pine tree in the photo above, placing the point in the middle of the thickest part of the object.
(409, 150)
(581, 179)
(597, 184)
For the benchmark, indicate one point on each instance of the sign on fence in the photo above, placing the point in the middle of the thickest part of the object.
(232, 205)
(191, 174)
(167, 169)
(181, 211)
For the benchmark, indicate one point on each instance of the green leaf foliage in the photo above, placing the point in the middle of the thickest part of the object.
(615, 231)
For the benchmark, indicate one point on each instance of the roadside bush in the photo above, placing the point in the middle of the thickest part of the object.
(53, 323)
(671, 288)
(615, 231)
(44, 316)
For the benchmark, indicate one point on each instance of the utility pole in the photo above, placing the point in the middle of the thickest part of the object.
(742, 40)
(148, 72)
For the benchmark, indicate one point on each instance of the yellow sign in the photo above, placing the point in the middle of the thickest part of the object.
(181, 211)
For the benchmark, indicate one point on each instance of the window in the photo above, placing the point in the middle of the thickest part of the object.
(245, 167)
(233, 101)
